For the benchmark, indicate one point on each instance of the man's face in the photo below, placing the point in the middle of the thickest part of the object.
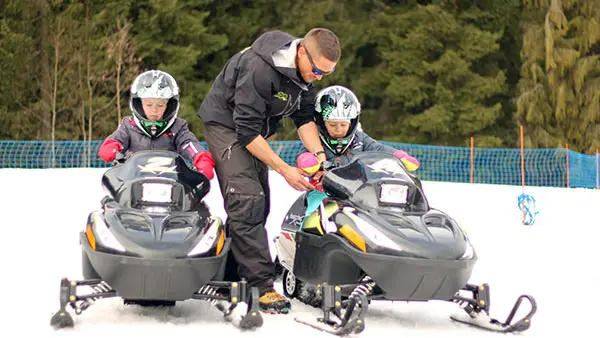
(311, 65)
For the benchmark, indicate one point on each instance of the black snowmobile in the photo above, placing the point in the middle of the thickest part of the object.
(154, 242)
(371, 235)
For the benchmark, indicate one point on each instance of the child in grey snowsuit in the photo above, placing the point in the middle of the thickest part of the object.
(154, 124)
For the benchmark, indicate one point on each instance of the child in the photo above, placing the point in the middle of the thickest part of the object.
(337, 112)
(154, 102)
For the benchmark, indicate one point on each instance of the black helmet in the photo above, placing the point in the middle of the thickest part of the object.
(337, 103)
(154, 84)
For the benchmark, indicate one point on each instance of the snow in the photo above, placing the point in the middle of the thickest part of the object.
(43, 211)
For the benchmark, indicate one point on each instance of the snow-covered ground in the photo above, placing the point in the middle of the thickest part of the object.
(555, 260)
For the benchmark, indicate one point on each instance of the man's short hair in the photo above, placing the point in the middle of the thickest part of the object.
(326, 43)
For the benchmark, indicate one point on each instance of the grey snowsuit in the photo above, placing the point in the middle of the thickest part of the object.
(178, 138)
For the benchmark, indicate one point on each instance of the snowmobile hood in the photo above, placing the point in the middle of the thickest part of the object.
(373, 180)
(156, 235)
(432, 234)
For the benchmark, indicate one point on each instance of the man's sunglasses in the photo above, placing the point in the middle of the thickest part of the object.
(315, 70)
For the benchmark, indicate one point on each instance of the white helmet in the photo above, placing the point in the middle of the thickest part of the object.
(154, 84)
(337, 103)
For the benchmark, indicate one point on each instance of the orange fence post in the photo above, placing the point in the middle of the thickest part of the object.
(567, 149)
(524, 215)
(597, 170)
(472, 159)
(522, 161)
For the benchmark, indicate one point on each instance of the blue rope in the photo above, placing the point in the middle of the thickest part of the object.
(526, 204)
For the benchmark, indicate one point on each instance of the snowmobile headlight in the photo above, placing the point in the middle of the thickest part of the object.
(157, 192)
(393, 194)
(469, 251)
(371, 233)
(103, 235)
(210, 237)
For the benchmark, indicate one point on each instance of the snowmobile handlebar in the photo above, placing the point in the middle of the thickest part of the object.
(121, 158)
(328, 165)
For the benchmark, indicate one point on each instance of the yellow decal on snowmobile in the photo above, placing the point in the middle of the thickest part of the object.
(354, 237)
(313, 221)
(159, 165)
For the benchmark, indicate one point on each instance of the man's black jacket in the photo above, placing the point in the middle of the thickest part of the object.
(258, 87)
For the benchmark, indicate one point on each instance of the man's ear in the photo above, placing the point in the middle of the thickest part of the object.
(301, 51)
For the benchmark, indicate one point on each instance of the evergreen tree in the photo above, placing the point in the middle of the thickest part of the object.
(171, 35)
(17, 69)
(559, 98)
(433, 93)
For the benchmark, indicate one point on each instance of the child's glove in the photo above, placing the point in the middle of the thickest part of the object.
(410, 162)
(109, 149)
(205, 163)
(317, 184)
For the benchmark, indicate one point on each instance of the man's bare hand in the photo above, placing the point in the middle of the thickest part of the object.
(295, 178)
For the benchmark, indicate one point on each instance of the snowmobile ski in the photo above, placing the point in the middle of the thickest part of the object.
(478, 316)
(354, 326)
(237, 292)
(340, 317)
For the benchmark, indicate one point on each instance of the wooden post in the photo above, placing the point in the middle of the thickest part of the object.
(568, 178)
(472, 158)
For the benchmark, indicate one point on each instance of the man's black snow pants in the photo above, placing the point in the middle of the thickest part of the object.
(244, 184)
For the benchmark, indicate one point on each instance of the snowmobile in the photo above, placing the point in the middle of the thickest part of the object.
(372, 235)
(154, 242)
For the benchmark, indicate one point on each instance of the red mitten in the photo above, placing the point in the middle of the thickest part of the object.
(410, 162)
(205, 163)
(317, 184)
(109, 149)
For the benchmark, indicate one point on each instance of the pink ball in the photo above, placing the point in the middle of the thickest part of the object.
(308, 162)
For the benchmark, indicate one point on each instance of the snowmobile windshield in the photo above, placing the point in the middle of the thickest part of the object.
(156, 177)
(375, 180)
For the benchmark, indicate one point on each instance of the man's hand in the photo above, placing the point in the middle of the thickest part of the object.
(295, 178)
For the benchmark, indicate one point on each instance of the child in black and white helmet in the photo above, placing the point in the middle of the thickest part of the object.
(337, 114)
(154, 103)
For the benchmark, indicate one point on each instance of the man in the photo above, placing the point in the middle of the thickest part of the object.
(257, 88)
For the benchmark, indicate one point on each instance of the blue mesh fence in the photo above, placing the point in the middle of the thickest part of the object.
(543, 167)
